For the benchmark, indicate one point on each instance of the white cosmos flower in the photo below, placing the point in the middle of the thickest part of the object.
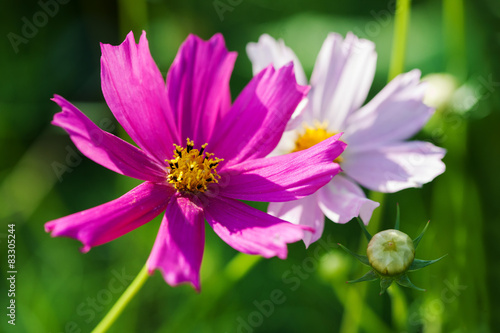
(377, 155)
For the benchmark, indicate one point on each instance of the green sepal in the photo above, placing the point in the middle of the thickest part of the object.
(417, 240)
(370, 276)
(396, 225)
(384, 284)
(361, 258)
(419, 264)
(404, 281)
(362, 225)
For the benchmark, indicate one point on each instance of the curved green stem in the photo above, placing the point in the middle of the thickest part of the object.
(401, 23)
(122, 302)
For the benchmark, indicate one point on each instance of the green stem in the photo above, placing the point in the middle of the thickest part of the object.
(352, 320)
(401, 23)
(454, 37)
(122, 302)
(399, 308)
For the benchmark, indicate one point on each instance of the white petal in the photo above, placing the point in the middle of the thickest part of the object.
(341, 79)
(394, 167)
(305, 212)
(341, 200)
(269, 51)
(395, 114)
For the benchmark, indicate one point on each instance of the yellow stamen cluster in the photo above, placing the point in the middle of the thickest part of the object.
(191, 170)
(312, 136)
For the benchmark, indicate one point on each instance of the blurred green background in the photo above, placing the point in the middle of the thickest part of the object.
(61, 290)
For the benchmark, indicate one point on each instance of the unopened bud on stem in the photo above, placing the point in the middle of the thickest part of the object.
(390, 254)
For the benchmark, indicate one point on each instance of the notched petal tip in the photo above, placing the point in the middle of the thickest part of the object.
(85, 248)
(217, 38)
(174, 281)
(288, 71)
(129, 39)
(56, 98)
(48, 227)
(366, 43)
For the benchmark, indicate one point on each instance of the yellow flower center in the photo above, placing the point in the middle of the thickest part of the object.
(191, 170)
(312, 136)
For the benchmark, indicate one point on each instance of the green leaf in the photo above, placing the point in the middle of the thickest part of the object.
(362, 225)
(405, 282)
(370, 276)
(417, 240)
(362, 259)
(384, 284)
(419, 264)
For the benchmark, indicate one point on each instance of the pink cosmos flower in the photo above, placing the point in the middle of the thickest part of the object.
(377, 157)
(198, 155)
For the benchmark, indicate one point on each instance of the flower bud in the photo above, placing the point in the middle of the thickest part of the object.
(391, 255)
(440, 90)
(390, 252)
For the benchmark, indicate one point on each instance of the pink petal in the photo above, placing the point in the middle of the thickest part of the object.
(136, 94)
(395, 114)
(258, 117)
(198, 86)
(305, 212)
(394, 167)
(269, 51)
(178, 249)
(249, 230)
(105, 148)
(341, 79)
(342, 200)
(106, 222)
(283, 178)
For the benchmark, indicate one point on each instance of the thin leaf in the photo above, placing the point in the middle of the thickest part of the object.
(370, 276)
(362, 259)
(405, 282)
(417, 240)
(384, 284)
(362, 225)
(418, 263)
